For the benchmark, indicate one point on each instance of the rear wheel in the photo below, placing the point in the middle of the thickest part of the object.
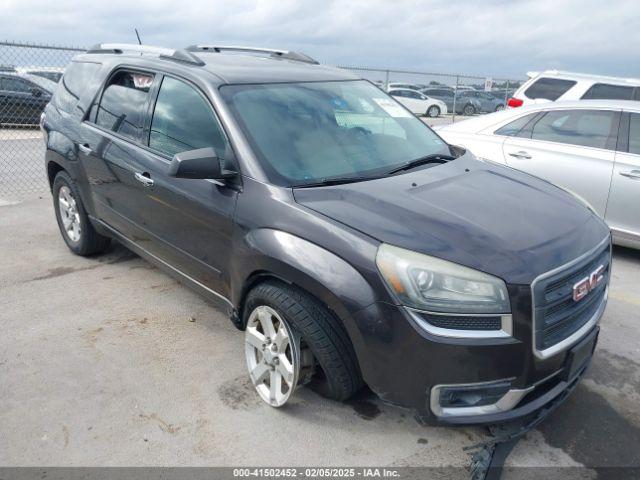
(74, 224)
(433, 111)
(469, 109)
(292, 339)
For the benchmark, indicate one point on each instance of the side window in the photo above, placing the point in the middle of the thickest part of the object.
(77, 77)
(395, 93)
(549, 88)
(124, 102)
(415, 95)
(609, 92)
(589, 128)
(16, 85)
(511, 129)
(183, 120)
(634, 133)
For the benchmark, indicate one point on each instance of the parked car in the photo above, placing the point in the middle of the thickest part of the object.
(410, 86)
(590, 148)
(348, 240)
(52, 75)
(419, 103)
(23, 97)
(464, 105)
(488, 103)
(554, 85)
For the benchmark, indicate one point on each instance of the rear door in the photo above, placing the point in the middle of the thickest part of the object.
(113, 156)
(622, 211)
(572, 148)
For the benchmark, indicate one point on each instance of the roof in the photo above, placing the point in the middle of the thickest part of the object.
(584, 76)
(228, 67)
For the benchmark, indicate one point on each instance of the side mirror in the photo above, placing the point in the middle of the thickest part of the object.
(202, 163)
(36, 92)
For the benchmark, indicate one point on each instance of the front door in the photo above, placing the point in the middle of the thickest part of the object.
(190, 221)
(573, 149)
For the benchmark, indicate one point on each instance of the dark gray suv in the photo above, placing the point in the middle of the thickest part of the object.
(348, 241)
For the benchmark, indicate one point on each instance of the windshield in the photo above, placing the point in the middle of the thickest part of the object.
(309, 132)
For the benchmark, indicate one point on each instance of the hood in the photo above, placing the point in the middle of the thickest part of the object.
(475, 213)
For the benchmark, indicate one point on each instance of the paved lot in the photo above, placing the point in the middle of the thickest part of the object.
(101, 365)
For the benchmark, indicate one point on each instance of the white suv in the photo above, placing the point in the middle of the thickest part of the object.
(553, 85)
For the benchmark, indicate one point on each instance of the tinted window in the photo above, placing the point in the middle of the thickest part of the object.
(609, 92)
(396, 93)
(589, 128)
(76, 79)
(548, 88)
(634, 133)
(511, 129)
(415, 95)
(123, 103)
(183, 120)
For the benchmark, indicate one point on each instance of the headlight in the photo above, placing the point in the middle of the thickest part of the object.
(435, 285)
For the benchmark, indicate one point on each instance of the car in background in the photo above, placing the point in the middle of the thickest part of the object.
(590, 148)
(554, 85)
(418, 103)
(7, 68)
(23, 97)
(54, 76)
(411, 86)
(488, 103)
(464, 105)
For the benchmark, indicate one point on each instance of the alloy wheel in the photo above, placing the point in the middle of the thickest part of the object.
(272, 355)
(69, 214)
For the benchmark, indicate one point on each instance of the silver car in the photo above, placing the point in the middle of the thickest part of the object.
(590, 148)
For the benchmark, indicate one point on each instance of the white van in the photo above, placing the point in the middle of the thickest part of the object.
(553, 85)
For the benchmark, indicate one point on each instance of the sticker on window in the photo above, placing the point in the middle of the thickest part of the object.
(142, 81)
(391, 107)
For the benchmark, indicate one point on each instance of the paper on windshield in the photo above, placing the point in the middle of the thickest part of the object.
(391, 107)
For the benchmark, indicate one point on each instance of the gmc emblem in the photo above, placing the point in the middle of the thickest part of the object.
(584, 286)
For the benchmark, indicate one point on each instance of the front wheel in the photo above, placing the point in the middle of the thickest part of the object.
(292, 339)
(469, 109)
(433, 111)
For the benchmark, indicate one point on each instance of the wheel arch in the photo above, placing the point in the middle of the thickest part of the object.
(281, 256)
(53, 168)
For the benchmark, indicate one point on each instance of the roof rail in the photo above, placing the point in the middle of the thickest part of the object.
(285, 54)
(164, 53)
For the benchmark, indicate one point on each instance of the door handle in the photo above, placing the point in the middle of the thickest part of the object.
(143, 178)
(85, 148)
(631, 174)
(520, 154)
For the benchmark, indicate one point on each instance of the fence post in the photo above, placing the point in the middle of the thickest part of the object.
(455, 94)
(506, 95)
(386, 81)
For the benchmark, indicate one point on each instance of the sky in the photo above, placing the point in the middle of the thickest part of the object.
(488, 38)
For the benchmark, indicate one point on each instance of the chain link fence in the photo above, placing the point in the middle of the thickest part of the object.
(28, 76)
(29, 73)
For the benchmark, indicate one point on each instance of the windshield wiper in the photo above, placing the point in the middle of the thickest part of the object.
(432, 158)
(335, 181)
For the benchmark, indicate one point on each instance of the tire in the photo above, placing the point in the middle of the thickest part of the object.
(499, 108)
(433, 111)
(337, 374)
(469, 110)
(75, 227)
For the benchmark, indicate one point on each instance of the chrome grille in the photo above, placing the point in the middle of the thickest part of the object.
(556, 315)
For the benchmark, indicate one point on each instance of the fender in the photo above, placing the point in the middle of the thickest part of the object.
(329, 278)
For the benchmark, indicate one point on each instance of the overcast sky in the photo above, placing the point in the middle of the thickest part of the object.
(498, 38)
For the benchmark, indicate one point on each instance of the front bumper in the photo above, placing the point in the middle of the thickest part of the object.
(402, 363)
